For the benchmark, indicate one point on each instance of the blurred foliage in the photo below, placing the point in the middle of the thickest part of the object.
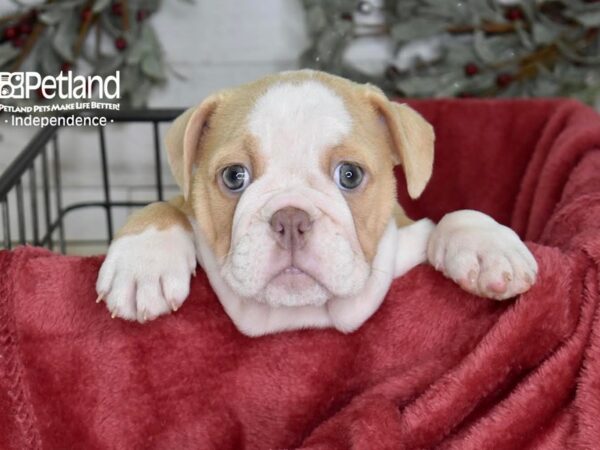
(466, 47)
(88, 37)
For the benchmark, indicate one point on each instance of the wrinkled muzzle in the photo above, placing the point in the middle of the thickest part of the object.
(295, 249)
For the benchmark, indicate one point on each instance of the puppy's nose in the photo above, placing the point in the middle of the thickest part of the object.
(291, 226)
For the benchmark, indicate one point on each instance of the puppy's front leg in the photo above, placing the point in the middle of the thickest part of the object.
(148, 266)
(412, 245)
(482, 256)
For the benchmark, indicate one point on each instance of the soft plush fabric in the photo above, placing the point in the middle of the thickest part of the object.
(434, 367)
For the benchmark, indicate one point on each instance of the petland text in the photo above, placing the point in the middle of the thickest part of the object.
(65, 86)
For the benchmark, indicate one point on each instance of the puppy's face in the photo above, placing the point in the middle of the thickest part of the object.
(291, 182)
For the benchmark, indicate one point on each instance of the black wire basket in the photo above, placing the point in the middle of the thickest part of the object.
(40, 221)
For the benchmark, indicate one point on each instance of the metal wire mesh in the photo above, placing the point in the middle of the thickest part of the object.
(41, 158)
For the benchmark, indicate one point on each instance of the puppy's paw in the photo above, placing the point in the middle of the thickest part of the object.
(147, 274)
(482, 256)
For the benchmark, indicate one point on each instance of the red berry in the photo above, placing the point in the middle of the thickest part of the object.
(504, 79)
(18, 42)
(10, 33)
(141, 15)
(471, 69)
(120, 43)
(86, 14)
(392, 72)
(25, 28)
(117, 8)
(65, 67)
(514, 14)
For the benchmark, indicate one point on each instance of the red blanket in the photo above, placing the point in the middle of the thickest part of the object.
(434, 367)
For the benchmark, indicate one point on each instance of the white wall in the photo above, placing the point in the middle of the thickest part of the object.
(209, 45)
(223, 43)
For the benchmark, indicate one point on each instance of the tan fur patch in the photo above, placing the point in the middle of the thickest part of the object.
(368, 144)
(160, 215)
(400, 217)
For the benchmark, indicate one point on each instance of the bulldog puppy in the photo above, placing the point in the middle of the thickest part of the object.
(289, 205)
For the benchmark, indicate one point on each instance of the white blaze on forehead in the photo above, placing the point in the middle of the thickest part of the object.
(299, 120)
(294, 124)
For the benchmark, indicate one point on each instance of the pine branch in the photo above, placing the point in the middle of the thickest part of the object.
(98, 42)
(548, 55)
(487, 27)
(477, 48)
(38, 29)
(83, 31)
(11, 18)
(23, 31)
(125, 15)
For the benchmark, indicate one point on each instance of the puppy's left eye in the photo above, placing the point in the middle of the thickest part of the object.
(348, 176)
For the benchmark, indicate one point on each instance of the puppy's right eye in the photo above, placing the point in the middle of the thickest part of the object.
(235, 178)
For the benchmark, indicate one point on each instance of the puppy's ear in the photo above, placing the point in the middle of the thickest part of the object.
(412, 139)
(184, 138)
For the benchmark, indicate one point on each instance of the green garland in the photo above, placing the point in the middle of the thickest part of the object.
(95, 37)
(485, 47)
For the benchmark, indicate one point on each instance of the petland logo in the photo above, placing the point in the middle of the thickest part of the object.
(65, 86)
(66, 92)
